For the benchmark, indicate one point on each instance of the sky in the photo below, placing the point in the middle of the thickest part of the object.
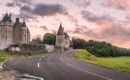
(101, 20)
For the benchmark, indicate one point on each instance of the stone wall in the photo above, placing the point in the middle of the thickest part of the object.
(27, 49)
(49, 48)
(31, 49)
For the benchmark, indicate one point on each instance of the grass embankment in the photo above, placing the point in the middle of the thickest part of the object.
(115, 63)
(4, 55)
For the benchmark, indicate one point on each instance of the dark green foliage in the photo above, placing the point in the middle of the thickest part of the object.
(49, 39)
(101, 49)
(105, 49)
(78, 43)
(37, 41)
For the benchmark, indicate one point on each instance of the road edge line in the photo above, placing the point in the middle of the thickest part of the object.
(85, 70)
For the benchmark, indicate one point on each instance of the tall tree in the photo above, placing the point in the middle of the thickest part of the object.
(49, 39)
(78, 43)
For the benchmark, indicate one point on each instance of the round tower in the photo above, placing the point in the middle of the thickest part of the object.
(60, 38)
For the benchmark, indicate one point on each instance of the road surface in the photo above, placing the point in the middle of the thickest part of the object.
(62, 66)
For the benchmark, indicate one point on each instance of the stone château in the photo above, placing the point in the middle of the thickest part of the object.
(13, 32)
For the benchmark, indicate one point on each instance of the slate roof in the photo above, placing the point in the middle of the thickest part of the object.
(60, 30)
(7, 18)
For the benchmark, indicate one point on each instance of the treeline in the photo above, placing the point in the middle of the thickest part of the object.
(101, 49)
(48, 38)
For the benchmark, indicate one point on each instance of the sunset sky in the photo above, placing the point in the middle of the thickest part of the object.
(102, 20)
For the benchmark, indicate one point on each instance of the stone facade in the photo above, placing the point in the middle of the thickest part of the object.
(13, 33)
(62, 39)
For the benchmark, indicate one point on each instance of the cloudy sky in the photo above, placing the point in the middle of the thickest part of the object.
(102, 20)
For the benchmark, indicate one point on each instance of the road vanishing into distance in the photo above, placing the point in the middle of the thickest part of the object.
(62, 66)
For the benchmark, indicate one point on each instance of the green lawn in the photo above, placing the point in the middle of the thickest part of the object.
(4, 56)
(116, 63)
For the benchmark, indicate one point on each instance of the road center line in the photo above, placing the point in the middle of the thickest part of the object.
(38, 64)
(85, 70)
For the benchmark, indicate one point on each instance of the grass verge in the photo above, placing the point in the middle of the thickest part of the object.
(116, 63)
(4, 55)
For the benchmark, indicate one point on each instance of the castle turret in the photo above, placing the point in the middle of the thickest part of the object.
(28, 36)
(25, 34)
(60, 38)
(16, 32)
(6, 32)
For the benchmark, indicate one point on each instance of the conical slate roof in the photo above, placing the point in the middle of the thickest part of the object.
(60, 30)
(7, 18)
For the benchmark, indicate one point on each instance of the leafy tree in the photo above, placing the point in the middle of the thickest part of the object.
(37, 41)
(49, 39)
(78, 43)
(101, 49)
(105, 49)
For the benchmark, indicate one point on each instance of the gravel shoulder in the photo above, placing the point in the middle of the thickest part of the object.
(8, 75)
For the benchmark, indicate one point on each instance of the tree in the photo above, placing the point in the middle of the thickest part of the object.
(49, 39)
(37, 41)
(104, 49)
(78, 43)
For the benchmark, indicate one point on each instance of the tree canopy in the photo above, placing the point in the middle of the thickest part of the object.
(78, 43)
(49, 39)
(37, 41)
(100, 48)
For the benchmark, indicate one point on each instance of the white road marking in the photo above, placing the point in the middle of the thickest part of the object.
(26, 75)
(38, 64)
(86, 70)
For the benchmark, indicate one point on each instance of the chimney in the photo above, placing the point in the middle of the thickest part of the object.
(17, 19)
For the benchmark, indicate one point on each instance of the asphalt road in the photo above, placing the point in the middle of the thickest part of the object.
(63, 66)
